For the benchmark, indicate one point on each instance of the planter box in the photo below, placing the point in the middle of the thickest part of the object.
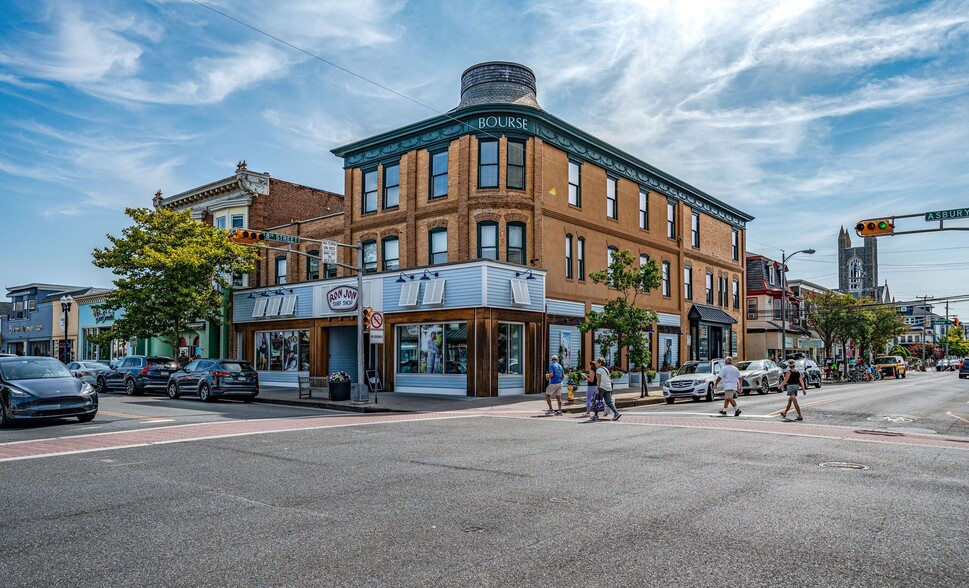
(621, 383)
(663, 376)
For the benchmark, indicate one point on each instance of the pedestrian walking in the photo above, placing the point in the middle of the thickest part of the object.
(730, 376)
(590, 391)
(554, 376)
(793, 381)
(604, 384)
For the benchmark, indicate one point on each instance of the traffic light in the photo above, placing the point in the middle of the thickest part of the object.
(367, 311)
(875, 227)
(246, 236)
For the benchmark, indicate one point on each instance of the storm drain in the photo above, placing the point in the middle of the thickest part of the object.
(842, 465)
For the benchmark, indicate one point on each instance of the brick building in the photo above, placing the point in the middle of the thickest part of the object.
(502, 185)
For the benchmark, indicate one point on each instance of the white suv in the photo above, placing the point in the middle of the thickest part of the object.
(694, 380)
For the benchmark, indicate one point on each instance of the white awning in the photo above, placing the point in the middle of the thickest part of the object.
(434, 292)
(519, 292)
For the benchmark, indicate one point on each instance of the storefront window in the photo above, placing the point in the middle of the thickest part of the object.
(283, 351)
(433, 348)
(510, 337)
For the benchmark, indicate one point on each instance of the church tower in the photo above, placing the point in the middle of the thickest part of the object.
(858, 268)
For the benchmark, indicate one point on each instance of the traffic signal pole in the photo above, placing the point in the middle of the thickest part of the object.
(360, 393)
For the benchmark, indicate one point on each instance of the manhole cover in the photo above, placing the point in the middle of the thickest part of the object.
(841, 465)
(558, 500)
(473, 530)
(892, 419)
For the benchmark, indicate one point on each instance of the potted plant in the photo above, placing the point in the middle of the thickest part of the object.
(664, 371)
(339, 386)
(620, 379)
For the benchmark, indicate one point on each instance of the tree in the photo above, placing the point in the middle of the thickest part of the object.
(171, 270)
(887, 323)
(624, 323)
(958, 346)
(827, 315)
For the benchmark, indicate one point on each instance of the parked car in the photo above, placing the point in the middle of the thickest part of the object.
(694, 380)
(890, 365)
(964, 370)
(760, 375)
(7, 355)
(941, 365)
(87, 371)
(42, 388)
(137, 373)
(213, 378)
(956, 364)
(809, 369)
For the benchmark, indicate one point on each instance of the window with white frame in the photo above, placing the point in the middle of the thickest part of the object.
(688, 283)
(695, 229)
(666, 278)
(370, 191)
(671, 219)
(281, 269)
(643, 208)
(568, 256)
(580, 257)
(612, 204)
(392, 186)
(575, 190)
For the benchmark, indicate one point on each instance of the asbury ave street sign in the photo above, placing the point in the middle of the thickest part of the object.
(955, 213)
(281, 238)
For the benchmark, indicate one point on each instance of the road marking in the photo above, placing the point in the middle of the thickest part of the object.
(823, 401)
(957, 417)
(140, 417)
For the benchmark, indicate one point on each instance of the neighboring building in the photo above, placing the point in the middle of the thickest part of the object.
(91, 321)
(65, 347)
(493, 193)
(5, 309)
(245, 200)
(29, 325)
(858, 269)
(924, 325)
(810, 343)
(763, 309)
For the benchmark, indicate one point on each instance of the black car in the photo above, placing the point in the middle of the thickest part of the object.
(809, 369)
(214, 378)
(137, 373)
(42, 388)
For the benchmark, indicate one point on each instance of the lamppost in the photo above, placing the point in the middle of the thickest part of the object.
(784, 259)
(66, 302)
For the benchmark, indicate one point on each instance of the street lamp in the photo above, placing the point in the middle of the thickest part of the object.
(66, 302)
(784, 259)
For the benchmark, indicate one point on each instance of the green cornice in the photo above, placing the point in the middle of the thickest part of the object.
(552, 130)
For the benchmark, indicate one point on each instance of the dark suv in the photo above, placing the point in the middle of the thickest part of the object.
(212, 378)
(137, 373)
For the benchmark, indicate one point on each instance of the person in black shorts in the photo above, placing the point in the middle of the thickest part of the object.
(792, 382)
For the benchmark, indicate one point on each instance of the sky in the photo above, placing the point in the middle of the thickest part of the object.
(809, 115)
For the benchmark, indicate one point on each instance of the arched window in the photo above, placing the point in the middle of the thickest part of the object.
(854, 274)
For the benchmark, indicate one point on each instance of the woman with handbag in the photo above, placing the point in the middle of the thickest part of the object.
(793, 382)
(590, 391)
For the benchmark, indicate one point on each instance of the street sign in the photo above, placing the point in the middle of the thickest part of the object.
(952, 214)
(328, 251)
(282, 238)
(377, 337)
(376, 320)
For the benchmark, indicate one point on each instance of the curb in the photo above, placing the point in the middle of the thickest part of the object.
(329, 405)
(623, 403)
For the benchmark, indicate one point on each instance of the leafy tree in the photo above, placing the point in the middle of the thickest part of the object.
(171, 269)
(958, 346)
(828, 315)
(887, 323)
(623, 322)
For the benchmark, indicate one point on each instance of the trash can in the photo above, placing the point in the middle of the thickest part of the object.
(340, 390)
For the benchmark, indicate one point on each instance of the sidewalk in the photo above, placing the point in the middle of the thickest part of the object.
(399, 402)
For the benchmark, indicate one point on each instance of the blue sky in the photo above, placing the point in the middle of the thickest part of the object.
(808, 115)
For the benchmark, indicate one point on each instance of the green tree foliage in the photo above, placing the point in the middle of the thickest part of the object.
(958, 346)
(828, 315)
(886, 324)
(622, 322)
(170, 271)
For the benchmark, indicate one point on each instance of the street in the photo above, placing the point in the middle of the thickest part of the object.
(670, 495)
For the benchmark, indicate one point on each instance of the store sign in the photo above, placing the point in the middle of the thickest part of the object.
(503, 122)
(26, 329)
(102, 316)
(342, 298)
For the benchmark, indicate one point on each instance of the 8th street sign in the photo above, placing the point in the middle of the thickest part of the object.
(281, 238)
(955, 213)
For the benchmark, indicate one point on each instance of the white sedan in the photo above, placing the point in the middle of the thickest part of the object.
(86, 371)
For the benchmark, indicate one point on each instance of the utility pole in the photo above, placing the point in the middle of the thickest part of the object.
(946, 356)
(925, 318)
(361, 393)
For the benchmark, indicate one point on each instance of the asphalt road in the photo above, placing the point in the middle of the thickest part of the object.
(510, 501)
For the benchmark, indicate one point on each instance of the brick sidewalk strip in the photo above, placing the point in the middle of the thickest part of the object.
(197, 432)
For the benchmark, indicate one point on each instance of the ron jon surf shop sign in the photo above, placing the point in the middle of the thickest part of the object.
(342, 298)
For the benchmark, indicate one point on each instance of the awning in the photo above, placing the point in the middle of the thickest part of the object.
(710, 314)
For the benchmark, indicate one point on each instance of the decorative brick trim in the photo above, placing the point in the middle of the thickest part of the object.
(487, 216)
(440, 223)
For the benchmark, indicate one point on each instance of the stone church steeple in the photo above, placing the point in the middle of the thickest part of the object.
(858, 267)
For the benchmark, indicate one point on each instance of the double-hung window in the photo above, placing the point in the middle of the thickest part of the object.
(487, 163)
(695, 229)
(671, 219)
(437, 246)
(515, 178)
(515, 243)
(439, 174)
(612, 205)
(370, 256)
(280, 269)
(688, 282)
(488, 240)
(313, 265)
(666, 278)
(736, 294)
(709, 288)
(580, 256)
(752, 308)
(370, 191)
(575, 192)
(392, 186)
(643, 209)
(220, 222)
(568, 256)
(391, 254)
(238, 221)
(735, 245)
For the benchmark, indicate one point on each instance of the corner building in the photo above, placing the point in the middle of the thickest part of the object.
(500, 179)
